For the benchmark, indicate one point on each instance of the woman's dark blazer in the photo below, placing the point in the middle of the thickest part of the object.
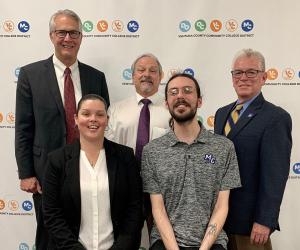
(62, 201)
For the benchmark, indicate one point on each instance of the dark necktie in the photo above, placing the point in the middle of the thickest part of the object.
(233, 118)
(70, 106)
(143, 129)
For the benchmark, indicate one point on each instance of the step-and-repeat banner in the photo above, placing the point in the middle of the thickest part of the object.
(198, 37)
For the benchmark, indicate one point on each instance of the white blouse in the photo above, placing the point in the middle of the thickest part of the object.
(96, 229)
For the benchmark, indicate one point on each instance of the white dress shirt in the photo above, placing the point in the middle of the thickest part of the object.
(96, 229)
(59, 71)
(124, 118)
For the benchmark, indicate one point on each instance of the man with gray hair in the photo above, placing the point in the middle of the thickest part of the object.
(142, 117)
(125, 116)
(261, 133)
(46, 97)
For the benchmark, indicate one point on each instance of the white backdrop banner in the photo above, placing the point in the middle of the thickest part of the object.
(198, 37)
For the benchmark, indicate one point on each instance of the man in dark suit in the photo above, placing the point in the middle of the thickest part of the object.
(262, 138)
(42, 123)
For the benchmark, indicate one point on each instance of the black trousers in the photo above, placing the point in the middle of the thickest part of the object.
(41, 237)
(159, 245)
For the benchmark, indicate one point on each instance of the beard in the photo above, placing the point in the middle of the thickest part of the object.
(184, 117)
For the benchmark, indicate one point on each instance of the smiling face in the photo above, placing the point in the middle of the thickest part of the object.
(245, 87)
(146, 76)
(66, 48)
(182, 100)
(91, 120)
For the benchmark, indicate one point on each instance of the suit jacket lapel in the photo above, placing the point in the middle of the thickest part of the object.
(247, 116)
(73, 175)
(111, 167)
(83, 79)
(53, 85)
(223, 119)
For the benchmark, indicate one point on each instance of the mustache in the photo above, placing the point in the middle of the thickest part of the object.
(181, 102)
(146, 79)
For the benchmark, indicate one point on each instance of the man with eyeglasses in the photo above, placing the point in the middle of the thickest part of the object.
(261, 133)
(46, 97)
(188, 173)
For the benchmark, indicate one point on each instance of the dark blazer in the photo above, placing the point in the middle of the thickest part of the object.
(61, 197)
(40, 117)
(262, 139)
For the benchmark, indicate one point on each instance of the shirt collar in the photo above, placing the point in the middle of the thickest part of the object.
(155, 99)
(61, 67)
(203, 136)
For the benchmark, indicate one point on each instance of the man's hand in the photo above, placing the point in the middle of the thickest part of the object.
(259, 234)
(31, 185)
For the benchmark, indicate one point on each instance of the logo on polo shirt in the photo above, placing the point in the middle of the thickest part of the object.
(209, 158)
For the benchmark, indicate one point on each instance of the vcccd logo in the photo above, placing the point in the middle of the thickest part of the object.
(247, 25)
(127, 74)
(87, 26)
(23, 246)
(184, 26)
(23, 26)
(133, 26)
(189, 71)
(296, 168)
(27, 205)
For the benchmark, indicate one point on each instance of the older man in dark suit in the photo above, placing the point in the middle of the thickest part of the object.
(46, 98)
(261, 133)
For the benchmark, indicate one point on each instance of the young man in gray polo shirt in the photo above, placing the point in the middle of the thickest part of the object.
(188, 173)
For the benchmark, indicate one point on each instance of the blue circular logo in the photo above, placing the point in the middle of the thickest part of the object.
(23, 26)
(17, 72)
(296, 168)
(23, 246)
(133, 26)
(184, 26)
(299, 74)
(189, 71)
(247, 25)
(127, 74)
(27, 205)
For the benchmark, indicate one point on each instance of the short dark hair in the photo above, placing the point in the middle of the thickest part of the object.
(186, 76)
(91, 97)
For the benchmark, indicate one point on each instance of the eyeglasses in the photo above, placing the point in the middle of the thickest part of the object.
(250, 73)
(74, 34)
(187, 90)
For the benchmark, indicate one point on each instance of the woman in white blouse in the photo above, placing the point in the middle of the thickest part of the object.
(92, 193)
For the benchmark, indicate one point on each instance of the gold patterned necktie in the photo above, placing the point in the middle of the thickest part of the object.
(233, 118)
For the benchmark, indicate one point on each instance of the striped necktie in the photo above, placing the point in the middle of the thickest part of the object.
(233, 118)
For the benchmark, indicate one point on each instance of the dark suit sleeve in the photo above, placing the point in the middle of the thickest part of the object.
(54, 217)
(131, 225)
(24, 127)
(104, 90)
(275, 154)
(93, 81)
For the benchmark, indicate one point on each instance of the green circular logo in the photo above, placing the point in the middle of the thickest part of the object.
(87, 26)
(200, 25)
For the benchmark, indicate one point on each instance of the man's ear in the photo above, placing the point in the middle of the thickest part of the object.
(199, 102)
(166, 104)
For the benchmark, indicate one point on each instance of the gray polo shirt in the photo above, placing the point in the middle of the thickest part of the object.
(189, 177)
